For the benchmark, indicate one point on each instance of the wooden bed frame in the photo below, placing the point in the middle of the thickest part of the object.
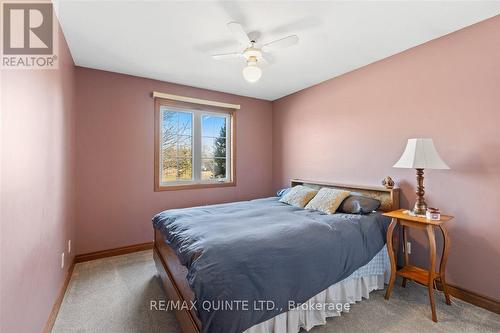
(173, 273)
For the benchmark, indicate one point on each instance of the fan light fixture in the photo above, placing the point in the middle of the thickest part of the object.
(253, 51)
(252, 72)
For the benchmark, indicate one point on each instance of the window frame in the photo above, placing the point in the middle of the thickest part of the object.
(190, 107)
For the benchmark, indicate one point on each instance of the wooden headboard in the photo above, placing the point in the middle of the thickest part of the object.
(389, 198)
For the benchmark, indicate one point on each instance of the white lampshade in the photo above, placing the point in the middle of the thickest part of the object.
(420, 154)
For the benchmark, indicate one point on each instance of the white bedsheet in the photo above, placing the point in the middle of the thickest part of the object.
(350, 290)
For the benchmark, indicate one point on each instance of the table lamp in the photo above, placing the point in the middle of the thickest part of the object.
(420, 154)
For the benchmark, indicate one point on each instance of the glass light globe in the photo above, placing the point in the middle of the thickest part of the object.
(252, 73)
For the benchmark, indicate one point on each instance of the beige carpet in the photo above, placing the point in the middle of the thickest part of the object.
(113, 295)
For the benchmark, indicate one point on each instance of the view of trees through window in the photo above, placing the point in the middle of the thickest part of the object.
(176, 146)
(213, 129)
(177, 142)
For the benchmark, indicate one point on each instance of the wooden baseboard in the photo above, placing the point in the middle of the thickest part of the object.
(113, 252)
(472, 297)
(57, 303)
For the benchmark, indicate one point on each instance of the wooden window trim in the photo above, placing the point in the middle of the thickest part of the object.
(196, 107)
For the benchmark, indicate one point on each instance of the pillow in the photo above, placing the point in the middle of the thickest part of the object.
(327, 200)
(283, 191)
(298, 196)
(358, 204)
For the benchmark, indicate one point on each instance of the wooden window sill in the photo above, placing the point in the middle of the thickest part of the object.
(160, 188)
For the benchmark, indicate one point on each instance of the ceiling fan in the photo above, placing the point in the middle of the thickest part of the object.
(252, 52)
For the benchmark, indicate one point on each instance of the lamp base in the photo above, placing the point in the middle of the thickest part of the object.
(419, 210)
(420, 207)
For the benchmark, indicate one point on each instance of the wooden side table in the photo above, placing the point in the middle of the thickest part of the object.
(423, 276)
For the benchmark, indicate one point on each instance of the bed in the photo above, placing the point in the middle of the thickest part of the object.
(254, 266)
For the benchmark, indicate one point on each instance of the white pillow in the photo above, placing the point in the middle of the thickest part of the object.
(298, 196)
(327, 200)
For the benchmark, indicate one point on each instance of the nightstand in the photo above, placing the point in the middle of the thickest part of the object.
(423, 276)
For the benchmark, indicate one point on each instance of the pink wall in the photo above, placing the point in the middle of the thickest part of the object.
(115, 157)
(37, 186)
(353, 128)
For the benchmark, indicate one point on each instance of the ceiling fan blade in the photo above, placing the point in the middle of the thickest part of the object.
(227, 56)
(238, 32)
(280, 43)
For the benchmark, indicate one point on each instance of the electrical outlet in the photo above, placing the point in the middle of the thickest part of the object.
(62, 260)
(408, 247)
(69, 246)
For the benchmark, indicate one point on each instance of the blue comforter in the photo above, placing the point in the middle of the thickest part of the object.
(240, 255)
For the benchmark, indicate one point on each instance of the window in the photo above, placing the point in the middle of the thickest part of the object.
(193, 146)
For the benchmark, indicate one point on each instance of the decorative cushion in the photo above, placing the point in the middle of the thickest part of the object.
(327, 200)
(283, 191)
(358, 204)
(298, 196)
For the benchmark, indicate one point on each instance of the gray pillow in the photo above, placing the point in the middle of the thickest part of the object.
(358, 204)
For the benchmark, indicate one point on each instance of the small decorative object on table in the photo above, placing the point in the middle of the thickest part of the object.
(388, 182)
(433, 214)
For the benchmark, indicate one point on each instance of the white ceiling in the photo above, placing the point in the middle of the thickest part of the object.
(173, 41)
